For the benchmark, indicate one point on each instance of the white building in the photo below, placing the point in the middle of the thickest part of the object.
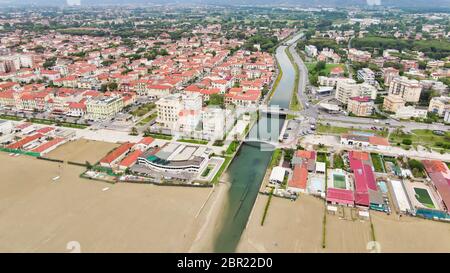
(407, 112)
(366, 75)
(216, 122)
(439, 105)
(277, 175)
(179, 112)
(348, 88)
(311, 51)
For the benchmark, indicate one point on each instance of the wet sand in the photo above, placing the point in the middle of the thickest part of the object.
(38, 214)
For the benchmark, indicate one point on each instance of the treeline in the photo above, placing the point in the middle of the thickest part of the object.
(267, 44)
(435, 49)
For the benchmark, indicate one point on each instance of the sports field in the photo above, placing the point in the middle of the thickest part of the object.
(339, 181)
(424, 197)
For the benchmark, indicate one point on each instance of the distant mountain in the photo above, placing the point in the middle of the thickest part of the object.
(309, 3)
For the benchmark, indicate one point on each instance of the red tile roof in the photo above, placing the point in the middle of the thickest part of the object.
(47, 145)
(131, 158)
(340, 196)
(146, 140)
(299, 177)
(119, 151)
(24, 141)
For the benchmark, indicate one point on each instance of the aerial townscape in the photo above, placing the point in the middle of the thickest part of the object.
(200, 127)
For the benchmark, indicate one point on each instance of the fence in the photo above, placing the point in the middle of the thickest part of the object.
(16, 151)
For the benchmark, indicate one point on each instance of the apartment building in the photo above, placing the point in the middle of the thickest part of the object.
(179, 111)
(408, 89)
(215, 121)
(366, 75)
(103, 108)
(348, 88)
(360, 106)
(389, 73)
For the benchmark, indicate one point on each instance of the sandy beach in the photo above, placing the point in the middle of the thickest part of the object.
(297, 227)
(408, 234)
(289, 226)
(82, 150)
(38, 214)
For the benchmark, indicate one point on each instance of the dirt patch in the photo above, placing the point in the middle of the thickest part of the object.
(82, 150)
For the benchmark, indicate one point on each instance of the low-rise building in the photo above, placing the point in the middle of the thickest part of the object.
(407, 112)
(439, 105)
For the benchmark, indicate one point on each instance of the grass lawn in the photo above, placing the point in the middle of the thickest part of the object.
(193, 141)
(377, 162)
(72, 125)
(9, 117)
(143, 109)
(424, 197)
(148, 119)
(276, 156)
(322, 157)
(207, 170)
(294, 103)
(338, 162)
(420, 137)
(327, 69)
(232, 147)
(335, 130)
(41, 121)
(159, 136)
(222, 169)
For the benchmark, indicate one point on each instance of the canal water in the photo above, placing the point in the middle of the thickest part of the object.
(248, 168)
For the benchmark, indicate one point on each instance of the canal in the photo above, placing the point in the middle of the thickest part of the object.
(248, 168)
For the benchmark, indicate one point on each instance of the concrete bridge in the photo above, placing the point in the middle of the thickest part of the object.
(278, 111)
(261, 142)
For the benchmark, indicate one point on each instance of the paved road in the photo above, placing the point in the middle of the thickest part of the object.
(312, 111)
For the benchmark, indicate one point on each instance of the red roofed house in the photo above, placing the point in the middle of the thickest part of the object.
(144, 143)
(48, 146)
(440, 176)
(110, 159)
(340, 197)
(299, 178)
(130, 159)
(25, 141)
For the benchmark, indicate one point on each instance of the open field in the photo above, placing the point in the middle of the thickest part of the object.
(288, 227)
(38, 214)
(335, 130)
(420, 137)
(82, 150)
(408, 234)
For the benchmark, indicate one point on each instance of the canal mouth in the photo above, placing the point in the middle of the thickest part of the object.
(247, 170)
